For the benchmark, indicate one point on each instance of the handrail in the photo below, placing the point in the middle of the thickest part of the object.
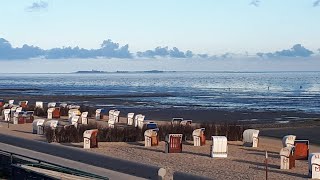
(71, 170)
(49, 177)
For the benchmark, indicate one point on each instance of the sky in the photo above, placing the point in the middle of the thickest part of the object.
(197, 30)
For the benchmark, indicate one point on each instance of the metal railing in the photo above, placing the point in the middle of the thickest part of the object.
(17, 159)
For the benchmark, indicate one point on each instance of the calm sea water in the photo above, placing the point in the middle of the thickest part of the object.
(259, 91)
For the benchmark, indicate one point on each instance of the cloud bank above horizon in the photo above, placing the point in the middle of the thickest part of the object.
(256, 3)
(109, 49)
(37, 6)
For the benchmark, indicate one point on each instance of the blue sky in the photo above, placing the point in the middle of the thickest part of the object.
(211, 27)
(206, 26)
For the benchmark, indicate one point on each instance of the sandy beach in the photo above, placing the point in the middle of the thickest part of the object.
(242, 162)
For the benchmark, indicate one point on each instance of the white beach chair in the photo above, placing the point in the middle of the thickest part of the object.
(98, 114)
(39, 104)
(110, 117)
(288, 141)
(52, 104)
(51, 124)
(11, 102)
(130, 118)
(63, 105)
(251, 137)
(84, 118)
(73, 112)
(37, 126)
(314, 165)
(19, 109)
(219, 147)
(13, 110)
(50, 112)
(136, 119)
(141, 121)
(72, 106)
(287, 160)
(199, 139)
(7, 114)
(186, 122)
(176, 121)
(151, 138)
(23, 104)
(90, 139)
(111, 123)
(116, 114)
(74, 121)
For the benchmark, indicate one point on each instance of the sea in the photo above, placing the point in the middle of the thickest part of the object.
(288, 91)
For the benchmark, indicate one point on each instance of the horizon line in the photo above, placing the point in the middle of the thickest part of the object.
(155, 72)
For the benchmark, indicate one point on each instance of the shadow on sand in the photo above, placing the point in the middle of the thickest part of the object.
(26, 132)
(282, 172)
(187, 143)
(148, 149)
(197, 154)
(72, 145)
(257, 164)
(135, 143)
(259, 151)
(264, 154)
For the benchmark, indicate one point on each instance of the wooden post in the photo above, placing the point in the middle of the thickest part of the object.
(9, 120)
(266, 162)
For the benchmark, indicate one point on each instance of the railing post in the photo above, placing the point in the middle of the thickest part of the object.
(266, 163)
(11, 159)
(162, 173)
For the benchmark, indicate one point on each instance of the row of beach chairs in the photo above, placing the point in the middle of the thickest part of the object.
(75, 116)
(137, 120)
(294, 149)
(17, 113)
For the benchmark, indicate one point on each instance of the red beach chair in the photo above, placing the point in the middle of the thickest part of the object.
(173, 143)
(301, 149)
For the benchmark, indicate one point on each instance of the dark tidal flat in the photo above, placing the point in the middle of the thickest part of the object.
(309, 133)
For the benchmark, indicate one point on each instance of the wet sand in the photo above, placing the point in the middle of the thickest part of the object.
(310, 133)
(129, 103)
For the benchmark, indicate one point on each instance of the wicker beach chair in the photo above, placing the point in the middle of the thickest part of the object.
(314, 165)
(39, 104)
(287, 159)
(84, 118)
(130, 118)
(251, 137)
(199, 138)
(51, 105)
(173, 143)
(151, 138)
(37, 126)
(219, 147)
(90, 139)
(288, 141)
